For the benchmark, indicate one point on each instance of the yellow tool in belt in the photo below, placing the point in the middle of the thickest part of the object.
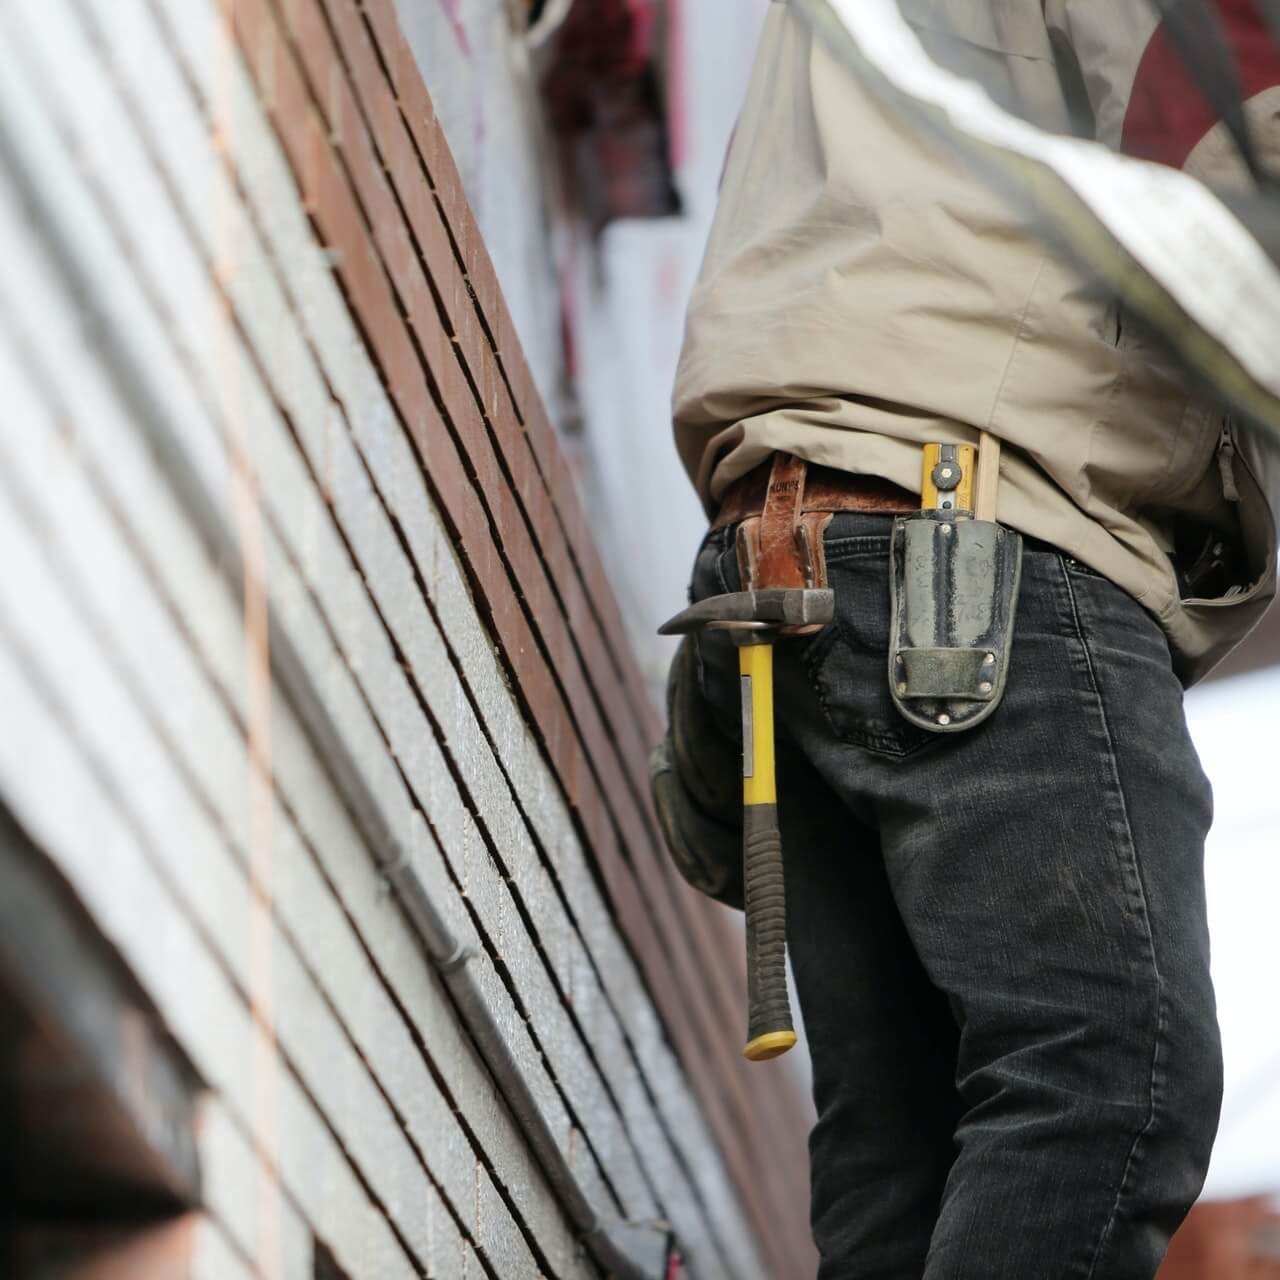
(755, 619)
(946, 482)
(961, 478)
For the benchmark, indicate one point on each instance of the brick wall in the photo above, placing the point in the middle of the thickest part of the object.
(299, 605)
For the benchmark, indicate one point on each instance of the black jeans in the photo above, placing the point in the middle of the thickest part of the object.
(998, 938)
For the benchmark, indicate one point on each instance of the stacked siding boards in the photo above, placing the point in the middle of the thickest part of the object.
(296, 587)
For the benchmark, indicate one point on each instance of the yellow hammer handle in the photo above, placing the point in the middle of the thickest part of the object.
(770, 1030)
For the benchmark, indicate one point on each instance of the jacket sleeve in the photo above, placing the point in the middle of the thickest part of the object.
(1145, 102)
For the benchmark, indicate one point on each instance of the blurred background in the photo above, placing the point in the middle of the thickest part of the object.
(197, 1076)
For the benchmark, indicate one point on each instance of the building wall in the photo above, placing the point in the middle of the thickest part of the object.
(301, 625)
(620, 294)
(484, 90)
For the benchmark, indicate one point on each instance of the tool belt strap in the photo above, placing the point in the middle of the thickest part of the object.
(782, 509)
(781, 562)
(821, 489)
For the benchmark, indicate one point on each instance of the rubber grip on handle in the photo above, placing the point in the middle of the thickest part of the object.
(770, 1030)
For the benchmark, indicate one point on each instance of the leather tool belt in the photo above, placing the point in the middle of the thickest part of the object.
(782, 509)
(954, 579)
(821, 489)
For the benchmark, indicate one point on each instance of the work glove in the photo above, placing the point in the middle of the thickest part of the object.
(696, 778)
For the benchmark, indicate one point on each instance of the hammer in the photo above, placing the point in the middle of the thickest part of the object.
(755, 619)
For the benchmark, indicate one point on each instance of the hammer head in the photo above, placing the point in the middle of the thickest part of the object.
(775, 609)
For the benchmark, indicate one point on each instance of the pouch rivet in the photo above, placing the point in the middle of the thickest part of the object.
(944, 719)
(989, 660)
(902, 690)
(985, 687)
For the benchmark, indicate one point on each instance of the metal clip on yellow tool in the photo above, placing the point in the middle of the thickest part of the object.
(947, 481)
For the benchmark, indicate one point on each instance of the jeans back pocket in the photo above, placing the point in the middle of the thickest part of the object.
(847, 663)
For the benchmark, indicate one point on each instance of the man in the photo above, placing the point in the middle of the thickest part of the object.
(998, 935)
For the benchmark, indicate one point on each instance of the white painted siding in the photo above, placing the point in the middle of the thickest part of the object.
(193, 428)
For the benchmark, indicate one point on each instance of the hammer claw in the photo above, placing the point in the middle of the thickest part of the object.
(775, 607)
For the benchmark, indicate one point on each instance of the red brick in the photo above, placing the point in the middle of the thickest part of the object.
(592, 773)
(481, 274)
(458, 308)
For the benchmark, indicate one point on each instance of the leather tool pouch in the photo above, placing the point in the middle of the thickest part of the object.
(783, 547)
(954, 591)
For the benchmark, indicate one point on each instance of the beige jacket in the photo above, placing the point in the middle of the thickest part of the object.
(863, 293)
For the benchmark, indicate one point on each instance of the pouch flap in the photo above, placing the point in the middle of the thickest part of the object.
(947, 673)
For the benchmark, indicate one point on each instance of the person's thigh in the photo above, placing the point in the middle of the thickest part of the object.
(1048, 866)
(880, 1036)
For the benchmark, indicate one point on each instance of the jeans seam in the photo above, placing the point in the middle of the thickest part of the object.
(720, 574)
(1133, 1158)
